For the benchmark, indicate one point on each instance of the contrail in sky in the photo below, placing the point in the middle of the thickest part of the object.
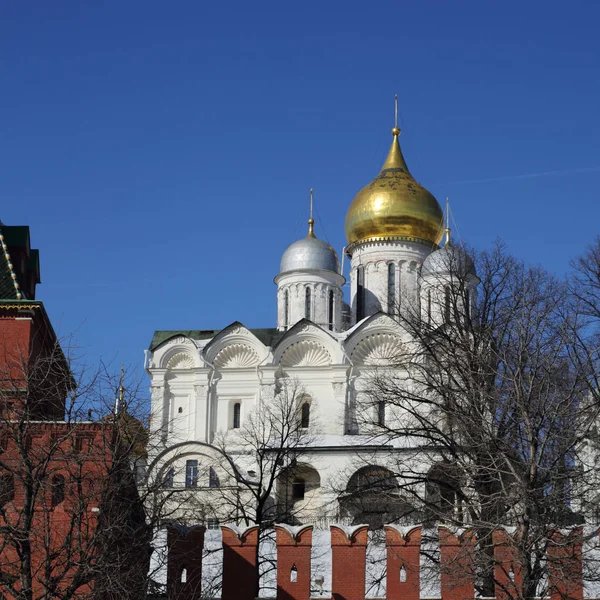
(525, 176)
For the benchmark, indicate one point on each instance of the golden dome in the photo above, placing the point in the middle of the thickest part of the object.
(394, 206)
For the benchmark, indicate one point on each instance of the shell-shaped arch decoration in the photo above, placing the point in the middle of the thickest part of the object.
(379, 349)
(181, 360)
(236, 356)
(306, 353)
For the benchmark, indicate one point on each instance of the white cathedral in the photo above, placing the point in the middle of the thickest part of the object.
(205, 384)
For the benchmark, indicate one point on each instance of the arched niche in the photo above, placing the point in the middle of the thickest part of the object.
(235, 347)
(373, 496)
(307, 345)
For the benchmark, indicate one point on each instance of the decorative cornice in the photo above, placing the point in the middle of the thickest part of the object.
(394, 238)
(19, 306)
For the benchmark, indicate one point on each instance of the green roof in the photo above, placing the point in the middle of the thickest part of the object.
(16, 240)
(268, 336)
(16, 235)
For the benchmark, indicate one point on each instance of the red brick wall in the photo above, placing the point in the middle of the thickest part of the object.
(457, 572)
(403, 562)
(508, 575)
(71, 524)
(349, 563)
(32, 364)
(565, 565)
(240, 578)
(185, 553)
(14, 351)
(348, 555)
(293, 552)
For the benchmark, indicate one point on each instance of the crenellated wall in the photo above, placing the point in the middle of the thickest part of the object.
(349, 563)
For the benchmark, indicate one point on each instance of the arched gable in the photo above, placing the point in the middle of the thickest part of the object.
(307, 345)
(378, 341)
(235, 347)
(176, 353)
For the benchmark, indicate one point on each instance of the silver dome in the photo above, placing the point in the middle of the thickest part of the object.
(448, 260)
(310, 253)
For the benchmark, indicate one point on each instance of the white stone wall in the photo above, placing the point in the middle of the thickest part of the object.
(374, 258)
(320, 284)
(206, 378)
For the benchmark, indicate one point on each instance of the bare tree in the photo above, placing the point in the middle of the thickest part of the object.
(71, 524)
(491, 394)
(250, 475)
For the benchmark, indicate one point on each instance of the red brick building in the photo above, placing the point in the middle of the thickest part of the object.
(71, 523)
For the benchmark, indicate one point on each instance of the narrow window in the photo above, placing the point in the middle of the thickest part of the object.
(307, 308)
(293, 574)
(360, 293)
(286, 308)
(402, 574)
(81, 443)
(237, 409)
(467, 306)
(169, 478)
(58, 489)
(429, 307)
(183, 577)
(7, 489)
(213, 479)
(330, 310)
(447, 304)
(381, 413)
(191, 473)
(305, 416)
(180, 409)
(391, 287)
(298, 489)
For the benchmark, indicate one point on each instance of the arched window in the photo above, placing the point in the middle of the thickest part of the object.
(447, 304)
(307, 302)
(237, 410)
(305, 415)
(183, 576)
(330, 310)
(58, 489)
(213, 479)
(391, 288)
(381, 413)
(372, 479)
(293, 574)
(360, 293)
(402, 574)
(286, 308)
(191, 473)
(7, 488)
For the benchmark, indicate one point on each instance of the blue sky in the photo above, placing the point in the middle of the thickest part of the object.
(162, 153)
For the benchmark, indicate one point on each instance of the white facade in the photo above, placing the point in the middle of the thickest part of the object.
(206, 385)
